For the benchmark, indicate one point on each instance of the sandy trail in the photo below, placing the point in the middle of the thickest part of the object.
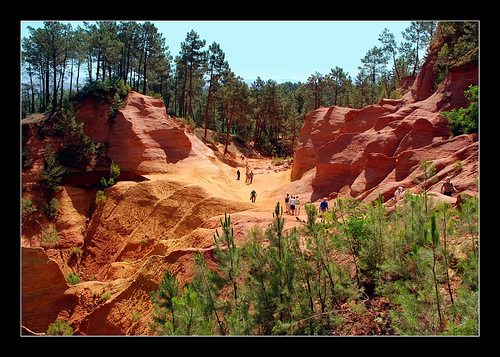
(220, 180)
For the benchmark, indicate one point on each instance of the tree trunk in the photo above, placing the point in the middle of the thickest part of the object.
(145, 68)
(98, 66)
(396, 67)
(32, 89)
(77, 76)
(229, 126)
(256, 131)
(71, 78)
(208, 105)
(190, 112)
(54, 98)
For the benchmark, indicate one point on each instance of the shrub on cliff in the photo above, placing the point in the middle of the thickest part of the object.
(52, 170)
(460, 46)
(78, 147)
(465, 120)
(60, 328)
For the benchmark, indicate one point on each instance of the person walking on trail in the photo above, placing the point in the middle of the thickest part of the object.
(253, 196)
(398, 194)
(297, 205)
(448, 187)
(251, 177)
(238, 173)
(292, 205)
(323, 206)
(287, 203)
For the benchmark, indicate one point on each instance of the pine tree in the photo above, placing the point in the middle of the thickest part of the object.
(216, 68)
(189, 314)
(445, 214)
(52, 171)
(228, 255)
(435, 242)
(163, 304)
(195, 58)
(207, 284)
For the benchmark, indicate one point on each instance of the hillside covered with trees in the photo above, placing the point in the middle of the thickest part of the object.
(60, 63)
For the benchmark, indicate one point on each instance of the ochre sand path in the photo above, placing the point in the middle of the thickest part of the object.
(220, 180)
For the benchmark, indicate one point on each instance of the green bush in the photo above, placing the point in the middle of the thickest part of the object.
(100, 197)
(78, 148)
(50, 236)
(465, 120)
(52, 170)
(73, 279)
(52, 208)
(114, 172)
(60, 328)
(27, 207)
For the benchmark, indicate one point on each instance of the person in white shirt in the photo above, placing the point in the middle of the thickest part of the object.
(292, 206)
(398, 194)
(297, 205)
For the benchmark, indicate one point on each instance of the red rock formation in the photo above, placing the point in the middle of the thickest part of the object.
(377, 148)
(142, 138)
(43, 290)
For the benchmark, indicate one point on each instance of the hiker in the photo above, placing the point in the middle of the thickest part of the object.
(323, 206)
(251, 176)
(292, 206)
(398, 194)
(247, 180)
(297, 205)
(253, 196)
(238, 173)
(287, 203)
(448, 187)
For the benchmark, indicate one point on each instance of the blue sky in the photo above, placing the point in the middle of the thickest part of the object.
(280, 49)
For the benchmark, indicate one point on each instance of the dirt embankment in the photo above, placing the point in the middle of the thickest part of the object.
(131, 239)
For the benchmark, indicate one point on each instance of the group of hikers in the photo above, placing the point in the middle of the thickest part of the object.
(249, 179)
(292, 205)
(249, 176)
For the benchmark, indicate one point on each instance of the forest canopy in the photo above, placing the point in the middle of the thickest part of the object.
(60, 62)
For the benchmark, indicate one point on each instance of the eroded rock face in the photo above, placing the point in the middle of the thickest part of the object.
(377, 148)
(136, 217)
(142, 138)
(43, 290)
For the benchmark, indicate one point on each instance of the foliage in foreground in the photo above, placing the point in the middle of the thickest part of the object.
(325, 278)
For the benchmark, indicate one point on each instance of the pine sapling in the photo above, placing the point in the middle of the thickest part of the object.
(435, 243)
(446, 214)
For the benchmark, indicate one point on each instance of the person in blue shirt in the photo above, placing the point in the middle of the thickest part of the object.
(253, 196)
(323, 207)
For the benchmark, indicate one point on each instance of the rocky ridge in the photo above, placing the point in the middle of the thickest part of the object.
(364, 152)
